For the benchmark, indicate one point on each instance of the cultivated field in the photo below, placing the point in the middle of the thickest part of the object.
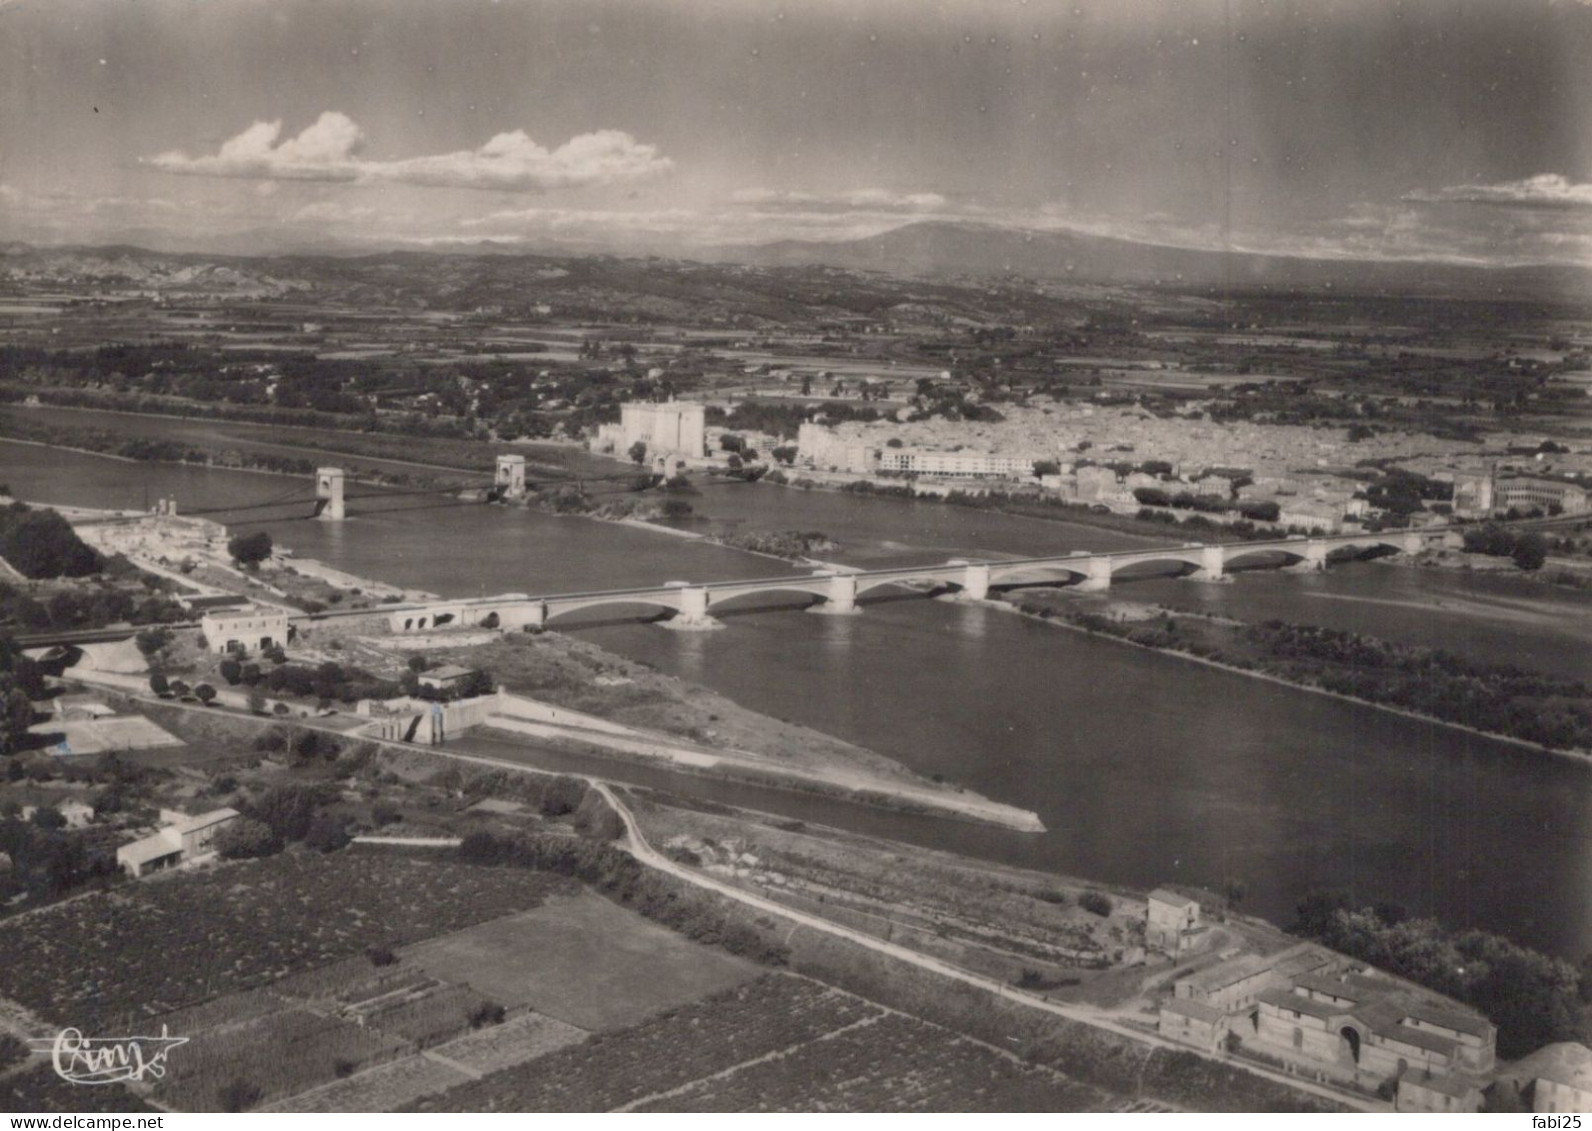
(279, 1054)
(896, 1063)
(146, 949)
(582, 960)
(781, 1043)
(669, 1051)
(379, 1089)
(517, 1040)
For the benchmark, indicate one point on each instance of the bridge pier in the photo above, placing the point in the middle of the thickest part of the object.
(1213, 564)
(329, 489)
(522, 617)
(1098, 579)
(1314, 558)
(841, 599)
(510, 476)
(693, 615)
(975, 582)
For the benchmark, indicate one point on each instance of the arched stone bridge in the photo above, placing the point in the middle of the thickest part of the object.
(690, 604)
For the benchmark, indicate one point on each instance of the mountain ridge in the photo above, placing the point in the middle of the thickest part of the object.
(962, 248)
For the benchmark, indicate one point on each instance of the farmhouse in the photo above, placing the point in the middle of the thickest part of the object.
(1171, 923)
(1369, 1026)
(1237, 983)
(183, 840)
(240, 631)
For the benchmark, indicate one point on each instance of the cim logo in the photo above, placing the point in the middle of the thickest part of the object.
(108, 1060)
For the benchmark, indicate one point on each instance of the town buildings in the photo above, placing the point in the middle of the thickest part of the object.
(1479, 496)
(1315, 475)
(1541, 494)
(827, 450)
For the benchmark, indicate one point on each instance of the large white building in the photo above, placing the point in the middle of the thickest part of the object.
(956, 465)
(672, 428)
(828, 450)
(241, 631)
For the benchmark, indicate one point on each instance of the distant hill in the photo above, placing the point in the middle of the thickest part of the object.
(941, 249)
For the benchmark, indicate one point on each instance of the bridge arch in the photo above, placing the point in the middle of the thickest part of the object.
(1294, 553)
(1193, 558)
(1039, 573)
(560, 608)
(865, 583)
(1371, 542)
(820, 588)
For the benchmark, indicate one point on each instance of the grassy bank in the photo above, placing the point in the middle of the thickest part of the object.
(1497, 700)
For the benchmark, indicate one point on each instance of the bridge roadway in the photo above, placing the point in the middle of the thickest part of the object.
(689, 603)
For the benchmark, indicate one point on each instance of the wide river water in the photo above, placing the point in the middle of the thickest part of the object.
(1145, 768)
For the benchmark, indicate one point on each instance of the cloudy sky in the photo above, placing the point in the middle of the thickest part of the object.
(1452, 129)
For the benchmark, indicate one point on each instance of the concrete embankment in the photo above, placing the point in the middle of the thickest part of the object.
(518, 715)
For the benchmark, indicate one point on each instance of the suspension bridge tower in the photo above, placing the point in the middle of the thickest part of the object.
(329, 491)
(510, 478)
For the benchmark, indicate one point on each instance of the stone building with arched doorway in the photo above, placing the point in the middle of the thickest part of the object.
(1369, 1028)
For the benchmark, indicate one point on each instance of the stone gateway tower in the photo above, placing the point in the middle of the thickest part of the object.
(329, 491)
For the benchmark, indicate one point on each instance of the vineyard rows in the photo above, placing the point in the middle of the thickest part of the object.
(380, 1089)
(897, 1064)
(280, 1054)
(120, 957)
(668, 1051)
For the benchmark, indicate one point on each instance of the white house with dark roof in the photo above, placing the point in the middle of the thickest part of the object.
(182, 841)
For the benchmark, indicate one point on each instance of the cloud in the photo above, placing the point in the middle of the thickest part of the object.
(865, 200)
(329, 149)
(1545, 190)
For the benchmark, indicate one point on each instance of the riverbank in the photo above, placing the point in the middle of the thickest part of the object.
(1142, 627)
(1036, 507)
(662, 719)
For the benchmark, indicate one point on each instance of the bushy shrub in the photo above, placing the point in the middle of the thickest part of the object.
(246, 838)
(1096, 903)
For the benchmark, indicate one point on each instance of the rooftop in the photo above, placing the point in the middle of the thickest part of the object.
(1197, 1010)
(240, 612)
(446, 671)
(204, 820)
(1284, 998)
(1456, 1086)
(1564, 1062)
(163, 843)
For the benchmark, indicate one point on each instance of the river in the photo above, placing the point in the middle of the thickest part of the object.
(1145, 768)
